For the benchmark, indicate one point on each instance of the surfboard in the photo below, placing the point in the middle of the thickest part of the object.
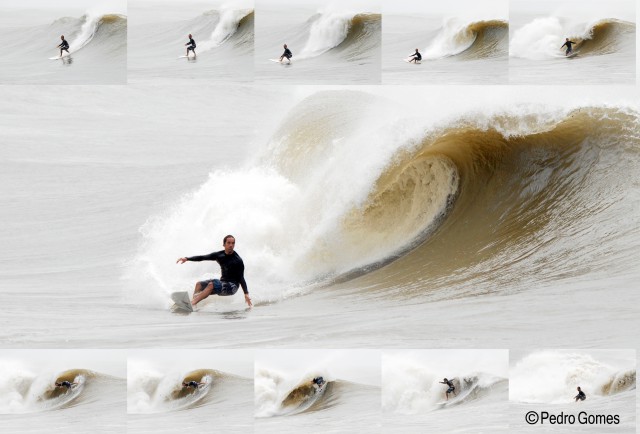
(409, 61)
(284, 62)
(60, 57)
(573, 54)
(186, 57)
(181, 300)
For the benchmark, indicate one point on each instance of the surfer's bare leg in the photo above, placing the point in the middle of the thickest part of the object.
(201, 295)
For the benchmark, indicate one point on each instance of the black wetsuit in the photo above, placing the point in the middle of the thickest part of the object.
(417, 56)
(193, 384)
(568, 44)
(192, 45)
(64, 46)
(451, 386)
(319, 381)
(287, 53)
(581, 396)
(231, 265)
(66, 384)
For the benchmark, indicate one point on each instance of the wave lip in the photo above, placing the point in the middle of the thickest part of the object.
(468, 41)
(95, 27)
(341, 31)
(541, 39)
(233, 26)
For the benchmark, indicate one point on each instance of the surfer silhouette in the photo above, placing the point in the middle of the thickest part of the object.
(287, 53)
(568, 44)
(66, 384)
(232, 276)
(415, 57)
(191, 46)
(193, 384)
(318, 381)
(580, 396)
(451, 388)
(64, 46)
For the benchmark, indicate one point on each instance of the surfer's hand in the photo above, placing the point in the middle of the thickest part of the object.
(248, 300)
(181, 261)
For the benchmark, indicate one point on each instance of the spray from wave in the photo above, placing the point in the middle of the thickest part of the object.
(541, 39)
(150, 391)
(552, 377)
(477, 40)
(339, 30)
(23, 391)
(412, 388)
(230, 22)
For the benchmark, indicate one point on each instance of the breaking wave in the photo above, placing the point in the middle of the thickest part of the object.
(354, 35)
(22, 391)
(468, 41)
(542, 38)
(552, 377)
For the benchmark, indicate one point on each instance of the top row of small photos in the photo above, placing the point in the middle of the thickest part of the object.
(181, 42)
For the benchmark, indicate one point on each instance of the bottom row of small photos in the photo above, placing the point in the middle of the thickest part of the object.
(328, 391)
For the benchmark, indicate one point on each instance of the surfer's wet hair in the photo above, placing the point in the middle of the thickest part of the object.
(224, 241)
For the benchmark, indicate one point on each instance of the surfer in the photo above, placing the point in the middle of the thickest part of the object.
(191, 383)
(66, 384)
(318, 381)
(415, 57)
(232, 276)
(580, 396)
(287, 53)
(191, 46)
(451, 388)
(64, 46)
(568, 44)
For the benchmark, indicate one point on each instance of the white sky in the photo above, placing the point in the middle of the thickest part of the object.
(459, 8)
(495, 362)
(237, 362)
(622, 9)
(117, 6)
(358, 366)
(110, 362)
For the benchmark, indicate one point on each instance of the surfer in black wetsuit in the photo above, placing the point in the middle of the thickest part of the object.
(64, 45)
(568, 44)
(318, 381)
(451, 388)
(191, 46)
(415, 57)
(232, 273)
(191, 383)
(287, 53)
(580, 396)
(66, 384)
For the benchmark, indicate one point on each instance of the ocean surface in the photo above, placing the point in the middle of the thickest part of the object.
(97, 47)
(605, 50)
(224, 37)
(454, 50)
(330, 45)
(363, 220)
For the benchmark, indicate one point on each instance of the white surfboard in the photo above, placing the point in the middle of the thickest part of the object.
(284, 61)
(60, 57)
(572, 54)
(186, 57)
(410, 61)
(181, 300)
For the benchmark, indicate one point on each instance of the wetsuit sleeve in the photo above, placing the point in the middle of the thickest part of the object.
(243, 284)
(209, 257)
